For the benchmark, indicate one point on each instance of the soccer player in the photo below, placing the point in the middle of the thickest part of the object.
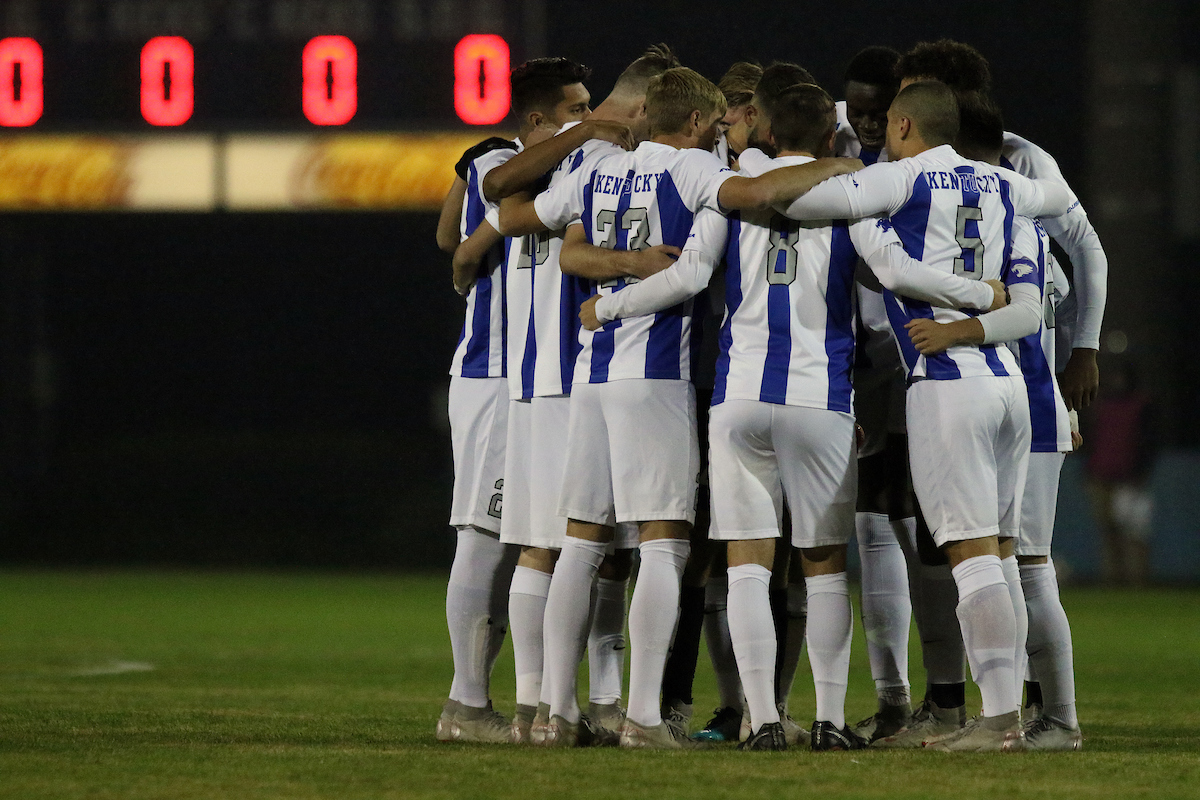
(737, 84)
(966, 70)
(781, 426)
(632, 409)
(967, 410)
(543, 341)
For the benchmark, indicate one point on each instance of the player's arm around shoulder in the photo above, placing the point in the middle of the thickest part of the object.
(448, 235)
(739, 193)
(583, 259)
(470, 256)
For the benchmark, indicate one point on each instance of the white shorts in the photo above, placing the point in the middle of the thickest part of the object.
(478, 428)
(968, 446)
(1038, 503)
(632, 453)
(515, 526)
(762, 452)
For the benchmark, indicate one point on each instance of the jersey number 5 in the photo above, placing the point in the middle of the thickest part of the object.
(969, 244)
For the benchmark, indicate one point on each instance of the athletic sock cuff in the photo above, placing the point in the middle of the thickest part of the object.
(582, 550)
(750, 572)
(837, 583)
(978, 573)
(533, 582)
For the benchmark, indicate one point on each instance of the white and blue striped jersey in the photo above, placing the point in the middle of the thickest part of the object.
(543, 303)
(481, 344)
(1074, 233)
(632, 201)
(1033, 263)
(951, 213)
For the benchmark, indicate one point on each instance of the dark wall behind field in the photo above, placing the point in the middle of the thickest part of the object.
(269, 389)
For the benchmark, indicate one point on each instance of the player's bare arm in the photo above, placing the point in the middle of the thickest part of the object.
(447, 228)
(518, 217)
(469, 258)
(594, 263)
(526, 167)
(1018, 319)
(931, 337)
(782, 185)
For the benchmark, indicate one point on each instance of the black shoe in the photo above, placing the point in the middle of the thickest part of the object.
(885, 722)
(826, 737)
(725, 726)
(769, 737)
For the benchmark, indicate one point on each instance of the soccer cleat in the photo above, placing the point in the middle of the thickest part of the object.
(723, 727)
(792, 730)
(678, 715)
(1001, 733)
(585, 733)
(541, 719)
(607, 715)
(522, 722)
(1044, 733)
(658, 737)
(470, 724)
(445, 724)
(769, 737)
(928, 721)
(887, 721)
(826, 738)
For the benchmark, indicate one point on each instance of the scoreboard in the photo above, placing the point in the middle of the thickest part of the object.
(127, 66)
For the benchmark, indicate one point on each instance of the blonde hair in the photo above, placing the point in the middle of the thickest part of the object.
(672, 97)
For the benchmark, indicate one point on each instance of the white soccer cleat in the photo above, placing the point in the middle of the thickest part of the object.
(462, 723)
(999, 734)
(678, 715)
(928, 722)
(1044, 733)
(659, 737)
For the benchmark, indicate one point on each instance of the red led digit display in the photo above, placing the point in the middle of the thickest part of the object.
(168, 68)
(330, 80)
(482, 94)
(20, 82)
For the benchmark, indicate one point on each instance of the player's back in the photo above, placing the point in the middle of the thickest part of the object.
(788, 332)
(633, 201)
(958, 217)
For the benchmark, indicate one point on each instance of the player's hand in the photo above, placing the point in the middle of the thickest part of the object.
(463, 290)
(587, 313)
(545, 130)
(860, 436)
(999, 294)
(654, 259)
(611, 131)
(1080, 381)
(929, 337)
(1076, 441)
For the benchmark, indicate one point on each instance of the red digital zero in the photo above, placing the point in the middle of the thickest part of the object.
(482, 93)
(330, 95)
(20, 82)
(168, 71)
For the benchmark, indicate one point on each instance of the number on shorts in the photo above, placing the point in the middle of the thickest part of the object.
(497, 500)
(1048, 313)
(972, 243)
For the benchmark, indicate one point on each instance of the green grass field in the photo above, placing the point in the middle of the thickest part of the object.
(214, 685)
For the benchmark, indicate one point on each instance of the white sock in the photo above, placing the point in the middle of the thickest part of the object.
(831, 624)
(1049, 644)
(938, 625)
(1012, 576)
(753, 632)
(652, 615)
(797, 616)
(886, 605)
(720, 645)
(526, 611)
(989, 630)
(606, 642)
(565, 631)
(480, 565)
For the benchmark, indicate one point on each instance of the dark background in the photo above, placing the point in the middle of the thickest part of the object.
(269, 389)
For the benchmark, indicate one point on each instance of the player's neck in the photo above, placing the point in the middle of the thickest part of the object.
(804, 153)
(680, 141)
(617, 108)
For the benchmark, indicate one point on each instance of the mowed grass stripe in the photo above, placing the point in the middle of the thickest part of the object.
(327, 686)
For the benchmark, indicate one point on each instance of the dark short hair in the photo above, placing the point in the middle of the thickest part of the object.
(775, 79)
(960, 66)
(980, 127)
(537, 85)
(657, 59)
(803, 118)
(739, 82)
(874, 66)
(933, 109)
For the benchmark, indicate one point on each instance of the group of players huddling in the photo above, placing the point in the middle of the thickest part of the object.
(863, 350)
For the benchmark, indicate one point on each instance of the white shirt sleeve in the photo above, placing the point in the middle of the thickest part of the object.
(1021, 317)
(562, 203)
(1076, 236)
(878, 189)
(685, 278)
(698, 175)
(880, 247)
(1045, 197)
